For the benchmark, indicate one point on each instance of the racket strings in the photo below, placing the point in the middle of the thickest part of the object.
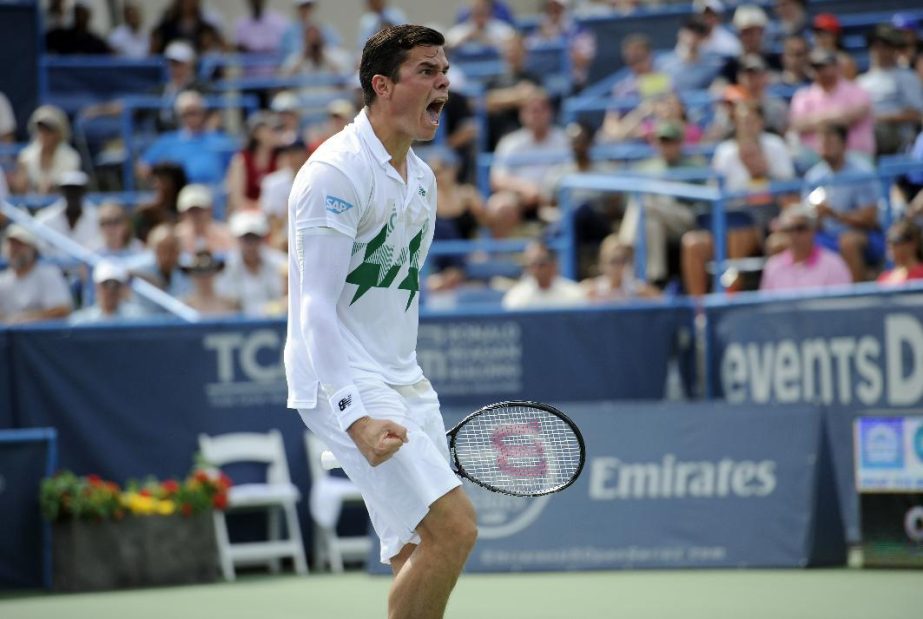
(519, 449)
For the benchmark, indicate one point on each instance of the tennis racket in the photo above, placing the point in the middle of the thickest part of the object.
(518, 448)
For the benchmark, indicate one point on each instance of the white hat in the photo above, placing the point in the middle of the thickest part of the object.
(249, 222)
(341, 107)
(193, 196)
(180, 51)
(15, 231)
(285, 101)
(73, 178)
(107, 270)
(749, 16)
(701, 6)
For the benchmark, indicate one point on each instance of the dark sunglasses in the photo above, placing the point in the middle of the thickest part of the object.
(797, 228)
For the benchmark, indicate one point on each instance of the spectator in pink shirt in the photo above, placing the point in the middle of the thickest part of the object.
(832, 100)
(261, 31)
(804, 264)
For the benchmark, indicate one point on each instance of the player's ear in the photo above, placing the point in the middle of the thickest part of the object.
(382, 86)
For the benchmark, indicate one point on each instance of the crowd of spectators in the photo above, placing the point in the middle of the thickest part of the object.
(789, 98)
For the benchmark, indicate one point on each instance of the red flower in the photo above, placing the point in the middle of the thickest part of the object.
(95, 480)
(144, 492)
(224, 481)
(220, 501)
(201, 476)
(171, 486)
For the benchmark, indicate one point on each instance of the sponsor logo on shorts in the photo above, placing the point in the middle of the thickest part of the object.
(335, 205)
(344, 403)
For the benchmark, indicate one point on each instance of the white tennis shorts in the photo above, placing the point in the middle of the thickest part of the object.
(399, 491)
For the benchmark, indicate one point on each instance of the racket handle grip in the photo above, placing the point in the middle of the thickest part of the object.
(328, 460)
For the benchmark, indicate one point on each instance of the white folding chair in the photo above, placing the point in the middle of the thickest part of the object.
(329, 495)
(277, 495)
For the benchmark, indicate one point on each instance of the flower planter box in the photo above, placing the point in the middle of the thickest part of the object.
(137, 551)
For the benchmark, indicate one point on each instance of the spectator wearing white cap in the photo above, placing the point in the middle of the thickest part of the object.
(203, 153)
(130, 39)
(305, 15)
(112, 302)
(72, 215)
(251, 275)
(750, 21)
(48, 155)
(287, 107)
(30, 291)
(197, 229)
(719, 39)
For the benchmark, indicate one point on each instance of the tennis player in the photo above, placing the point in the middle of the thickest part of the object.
(361, 218)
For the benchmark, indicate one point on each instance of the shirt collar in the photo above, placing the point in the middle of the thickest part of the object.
(812, 259)
(381, 154)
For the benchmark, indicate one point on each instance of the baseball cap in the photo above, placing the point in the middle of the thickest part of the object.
(827, 22)
(179, 51)
(15, 231)
(248, 222)
(669, 130)
(285, 101)
(73, 178)
(341, 107)
(192, 196)
(106, 271)
(749, 16)
(820, 57)
(708, 5)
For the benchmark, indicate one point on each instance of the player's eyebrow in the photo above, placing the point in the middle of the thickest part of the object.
(427, 64)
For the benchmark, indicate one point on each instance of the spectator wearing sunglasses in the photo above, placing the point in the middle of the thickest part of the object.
(804, 264)
(906, 252)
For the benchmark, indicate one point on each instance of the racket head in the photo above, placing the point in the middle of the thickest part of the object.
(519, 448)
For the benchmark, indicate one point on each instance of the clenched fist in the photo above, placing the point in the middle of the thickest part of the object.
(377, 439)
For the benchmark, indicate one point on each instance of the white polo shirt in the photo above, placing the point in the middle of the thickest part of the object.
(349, 185)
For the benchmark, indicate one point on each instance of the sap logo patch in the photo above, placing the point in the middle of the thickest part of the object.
(335, 205)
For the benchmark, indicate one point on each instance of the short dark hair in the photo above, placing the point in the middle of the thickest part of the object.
(385, 51)
(837, 129)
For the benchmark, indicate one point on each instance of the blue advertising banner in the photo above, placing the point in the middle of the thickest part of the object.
(674, 486)
(592, 354)
(852, 355)
(7, 420)
(26, 456)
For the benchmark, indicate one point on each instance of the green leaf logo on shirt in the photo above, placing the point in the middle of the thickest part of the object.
(380, 265)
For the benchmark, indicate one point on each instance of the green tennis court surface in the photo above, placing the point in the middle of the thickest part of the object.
(745, 594)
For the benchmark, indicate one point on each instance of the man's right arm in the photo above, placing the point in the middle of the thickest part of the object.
(323, 250)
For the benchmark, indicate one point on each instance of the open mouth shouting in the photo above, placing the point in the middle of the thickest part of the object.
(434, 109)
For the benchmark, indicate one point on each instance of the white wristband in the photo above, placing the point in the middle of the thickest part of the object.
(347, 405)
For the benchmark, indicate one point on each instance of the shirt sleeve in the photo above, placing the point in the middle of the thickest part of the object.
(326, 198)
(324, 264)
(912, 89)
